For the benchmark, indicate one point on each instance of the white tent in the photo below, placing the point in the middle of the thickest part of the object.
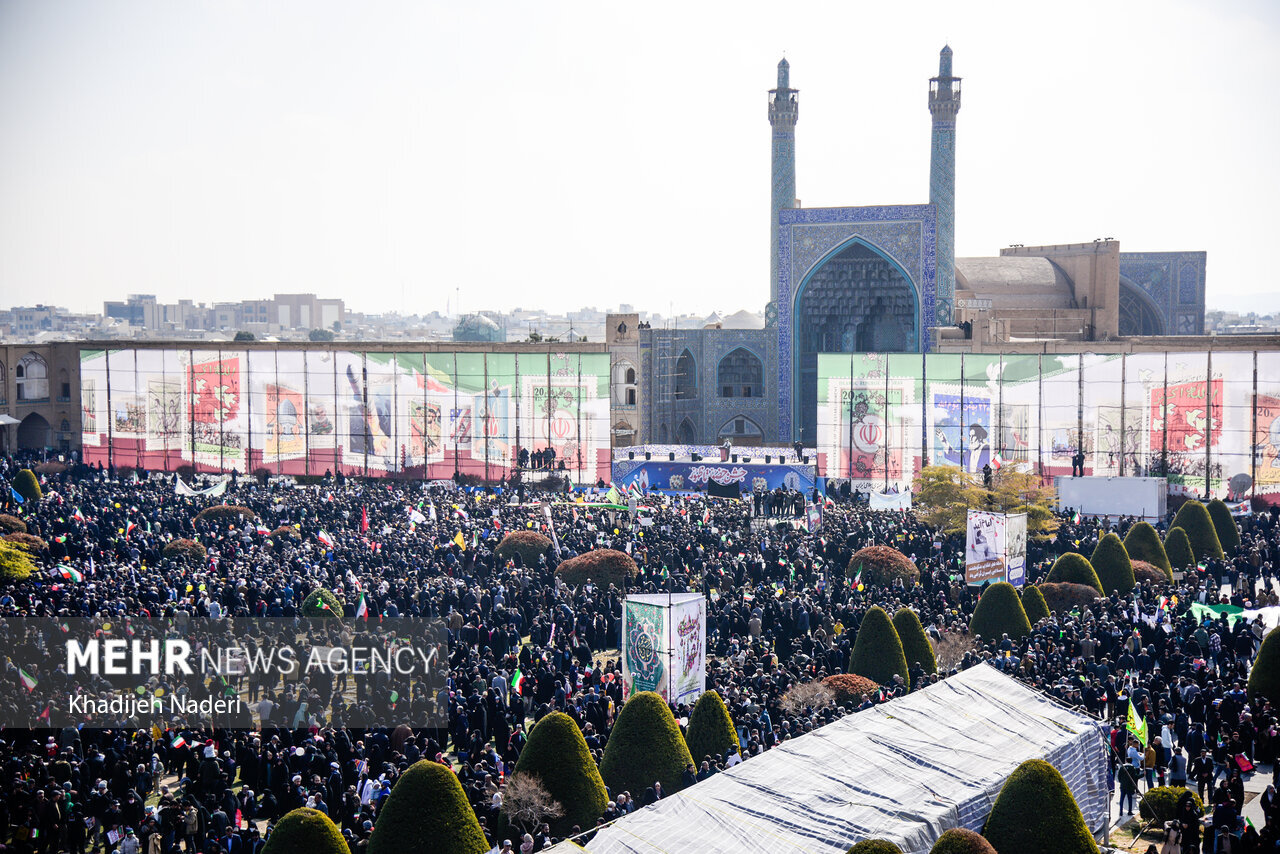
(906, 771)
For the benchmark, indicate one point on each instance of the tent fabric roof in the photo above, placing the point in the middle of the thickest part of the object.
(906, 771)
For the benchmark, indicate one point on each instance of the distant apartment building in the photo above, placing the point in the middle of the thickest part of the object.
(280, 313)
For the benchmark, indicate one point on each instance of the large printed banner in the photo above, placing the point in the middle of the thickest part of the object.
(688, 476)
(995, 548)
(1196, 419)
(312, 411)
(664, 640)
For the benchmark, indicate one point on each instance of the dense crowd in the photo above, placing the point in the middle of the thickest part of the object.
(780, 613)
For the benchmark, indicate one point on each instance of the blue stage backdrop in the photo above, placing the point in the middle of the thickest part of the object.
(684, 476)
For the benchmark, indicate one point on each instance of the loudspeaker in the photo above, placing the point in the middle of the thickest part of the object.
(767, 459)
(647, 455)
(734, 458)
(631, 455)
(746, 459)
(695, 458)
(806, 459)
(671, 457)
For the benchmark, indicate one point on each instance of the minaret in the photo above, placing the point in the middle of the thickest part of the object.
(944, 103)
(784, 109)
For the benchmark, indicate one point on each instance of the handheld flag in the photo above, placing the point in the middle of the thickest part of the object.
(179, 743)
(459, 541)
(1075, 518)
(16, 496)
(28, 681)
(1136, 725)
(364, 519)
(857, 579)
(997, 461)
(362, 610)
(325, 539)
(515, 680)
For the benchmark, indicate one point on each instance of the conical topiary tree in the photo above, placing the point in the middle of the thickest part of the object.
(960, 840)
(877, 651)
(1036, 812)
(711, 731)
(1033, 603)
(1178, 547)
(874, 846)
(644, 747)
(27, 485)
(1111, 562)
(1264, 678)
(915, 643)
(322, 604)
(1000, 612)
(1224, 525)
(557, 754)
(1193, 518)
(306, 831)
(1143, 543)
(1072, 568)
(427, 813)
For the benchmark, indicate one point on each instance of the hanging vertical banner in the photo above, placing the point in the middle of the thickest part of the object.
(1015, 539)
(984, 547)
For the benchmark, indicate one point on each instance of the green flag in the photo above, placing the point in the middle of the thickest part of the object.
(1136, 725)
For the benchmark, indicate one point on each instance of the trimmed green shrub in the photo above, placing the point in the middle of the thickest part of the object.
(1224, 525)
(286, 531)
(850, 688)
(874, 846)
(306, 831)
(601, 566)
(711, 731)
(1033, 603)
(1146, 573)
(1178, 547)
(960, 840)
(427, 813)
(182, 547)
(15, 563)
(227, 514)
(1264, 678)
(1193, 518)
(877, 651)
(915, 644)
(1161, 803)
(530, 545)
(1000, 612)
(644, 746)
(33, 544)
(12, 524)
(26, 485)
(1072, 568)
(1061, 597)
(1036, 812)
(1111, 562)
(314, 608)
(1143, 543)
(882, 565)
(557, 753)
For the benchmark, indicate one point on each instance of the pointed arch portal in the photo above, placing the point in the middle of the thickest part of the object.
(856, 300)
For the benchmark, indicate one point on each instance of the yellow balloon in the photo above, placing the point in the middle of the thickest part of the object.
(189, 588)
(159, 692)
(616, 531)
(106, 627)
(117, 505)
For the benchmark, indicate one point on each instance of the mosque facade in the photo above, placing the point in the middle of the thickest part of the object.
(883, 279)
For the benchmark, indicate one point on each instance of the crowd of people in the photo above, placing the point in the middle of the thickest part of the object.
(520, 644)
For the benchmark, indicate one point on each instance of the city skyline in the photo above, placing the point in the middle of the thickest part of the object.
(568, 156)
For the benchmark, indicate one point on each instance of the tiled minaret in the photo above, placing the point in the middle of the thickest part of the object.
(784, 109)
(944, 103)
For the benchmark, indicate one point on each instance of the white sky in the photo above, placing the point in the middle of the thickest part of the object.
(565, 154)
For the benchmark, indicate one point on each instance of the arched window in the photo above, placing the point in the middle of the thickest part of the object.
(4, 385)
(740, 374)
(623, 435)
(686, 435)
(33, 378)
(66, 426)
(686, 377)
(742, 430)
(624, 384)
(64, 386)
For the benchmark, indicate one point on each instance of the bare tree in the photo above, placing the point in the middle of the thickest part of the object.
(812, 695)
(527, 803)
(950, 649)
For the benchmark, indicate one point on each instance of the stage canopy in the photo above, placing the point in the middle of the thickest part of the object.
(906, 771)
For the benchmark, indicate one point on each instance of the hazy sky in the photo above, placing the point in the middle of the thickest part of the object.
(566, 154)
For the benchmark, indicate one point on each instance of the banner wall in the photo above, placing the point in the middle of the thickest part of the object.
(1197, 419)
(375, 414)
